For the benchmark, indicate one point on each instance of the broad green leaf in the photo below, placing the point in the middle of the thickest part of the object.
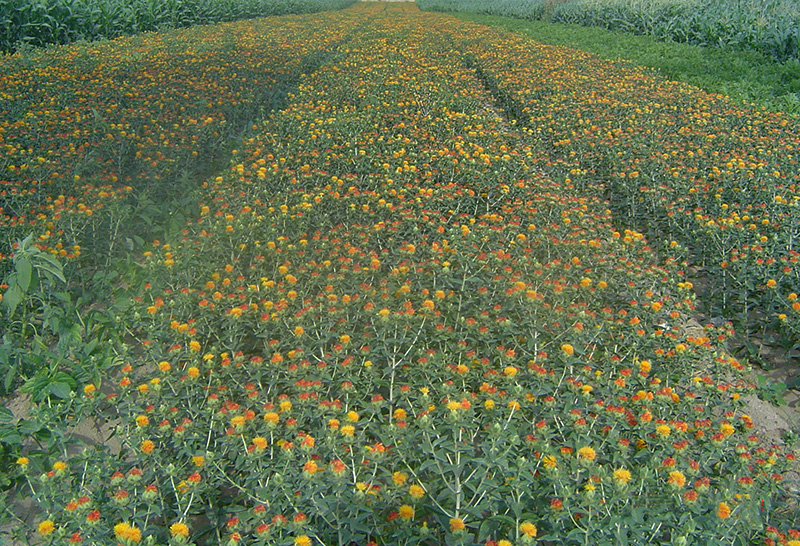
(28, 428)
(11, 299)
(13, 439)
(6, 415)
(51, 267)
(61, 390)
(24, 273)
(64, 377)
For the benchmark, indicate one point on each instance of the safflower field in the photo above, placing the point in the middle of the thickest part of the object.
(421, 281)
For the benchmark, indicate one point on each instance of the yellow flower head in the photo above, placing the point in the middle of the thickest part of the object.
(179, 529)
(587, 454)
(457, 524)
(528, 529)
(622, 476)
(677, 479)
(46, 527)
(127, 533)
(416, 491)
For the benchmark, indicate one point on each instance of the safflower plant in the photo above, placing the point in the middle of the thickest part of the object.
(673, 164)
(395, 318)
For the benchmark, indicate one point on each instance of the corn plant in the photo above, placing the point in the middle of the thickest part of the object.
(43, 22)
(771, 27)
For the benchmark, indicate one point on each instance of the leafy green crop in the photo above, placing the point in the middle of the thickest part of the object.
(43, 22)
(771, 27)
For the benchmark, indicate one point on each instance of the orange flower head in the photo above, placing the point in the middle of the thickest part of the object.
(46, 527)
(416, 491)
(677, 479)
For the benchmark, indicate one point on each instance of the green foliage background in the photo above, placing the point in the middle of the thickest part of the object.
(771, 27)
(42, 22)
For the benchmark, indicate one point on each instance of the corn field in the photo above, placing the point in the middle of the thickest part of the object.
(521, 9)
(43, 22)
(771, 27)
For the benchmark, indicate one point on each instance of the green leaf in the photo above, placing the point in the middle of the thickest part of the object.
(11, 439)
(51, 267)
(61, 390)
(6, 415)
(8, 381)
(28, 428)
(11, 299)
(90, 347)
(64, 377)
(24, 273)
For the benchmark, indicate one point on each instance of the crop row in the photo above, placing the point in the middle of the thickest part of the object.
(92, 133)
(399, 318)
(674, 162)
(41, 23)
(768, 26)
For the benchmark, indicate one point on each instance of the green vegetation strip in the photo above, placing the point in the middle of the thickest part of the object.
(771, 27)
(25, 23)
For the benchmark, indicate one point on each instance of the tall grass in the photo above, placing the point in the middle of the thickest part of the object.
(43, 22)
(771, 27)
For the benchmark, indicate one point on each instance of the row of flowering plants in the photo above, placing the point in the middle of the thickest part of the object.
(397, 319)
(675, 162)
(89, 132)
(102, 144)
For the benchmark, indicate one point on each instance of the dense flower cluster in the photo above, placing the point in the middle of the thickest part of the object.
(399, 318)
(84, 127)
(677, 163)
